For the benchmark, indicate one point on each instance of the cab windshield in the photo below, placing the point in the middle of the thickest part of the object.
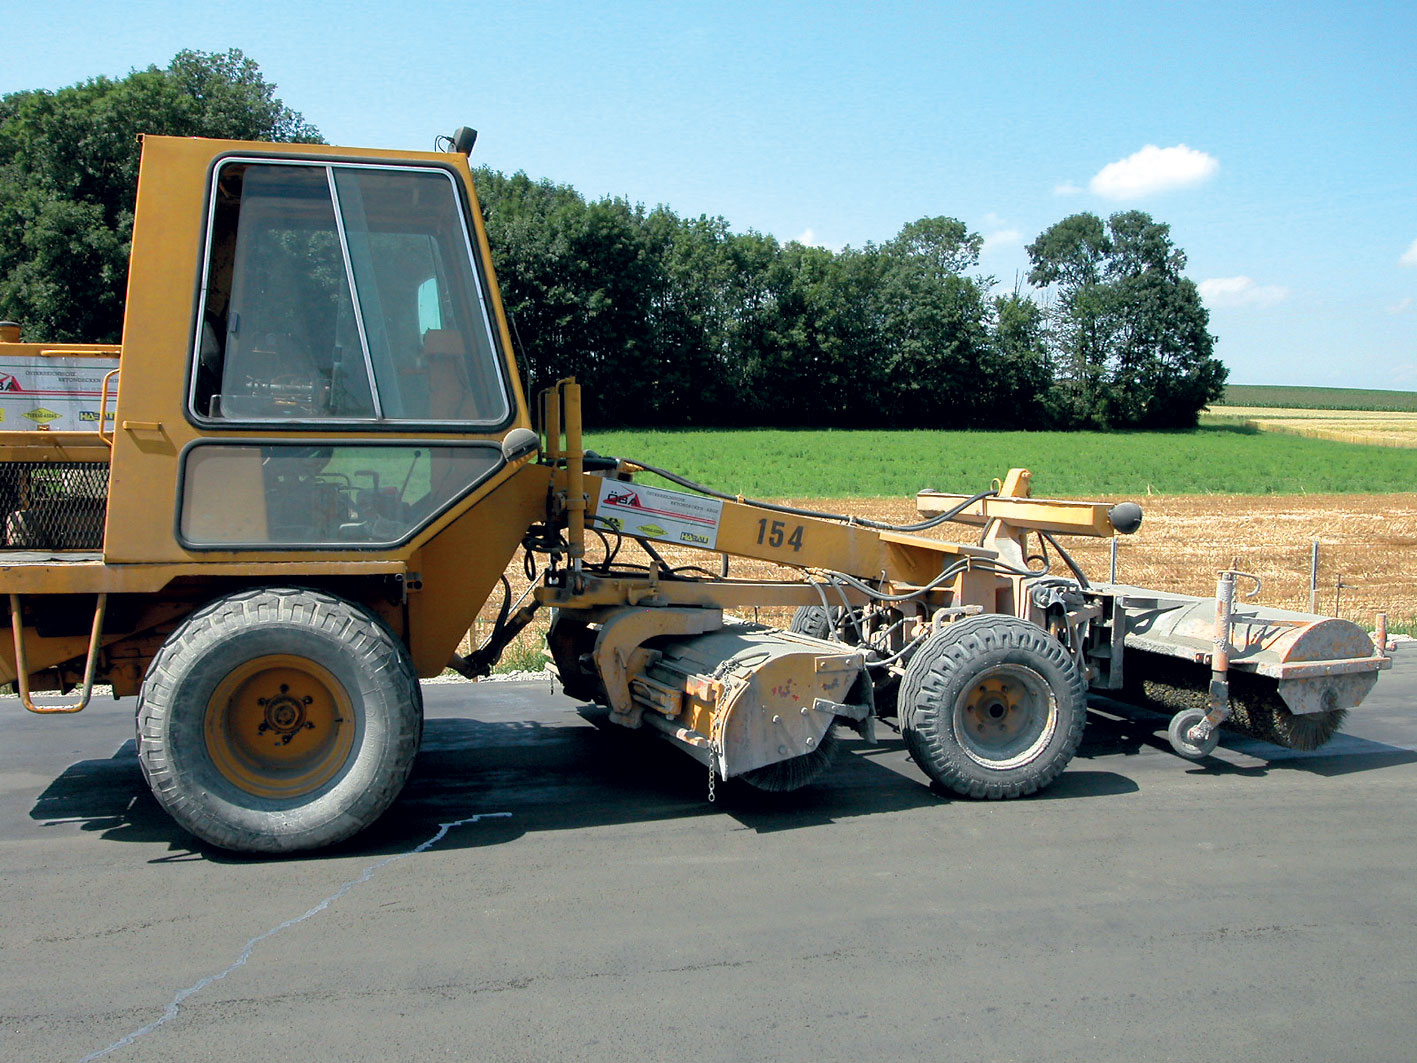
(338, 292)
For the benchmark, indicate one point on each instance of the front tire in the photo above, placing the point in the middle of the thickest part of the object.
(992, 707)
(279, 719)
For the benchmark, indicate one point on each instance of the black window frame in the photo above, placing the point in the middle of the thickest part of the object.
(481, 271)
(259, 441)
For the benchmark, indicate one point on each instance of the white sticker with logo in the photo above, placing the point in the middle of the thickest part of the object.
(56, 392)
(654, 513)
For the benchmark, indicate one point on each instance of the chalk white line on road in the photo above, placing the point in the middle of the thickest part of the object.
(183, 994)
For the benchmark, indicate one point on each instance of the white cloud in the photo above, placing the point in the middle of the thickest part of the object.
(807, 238)
(1240, 291)
(1001, 238)
(1402, 306)
(1409, 257)
(1152, 170)
(1067, 188)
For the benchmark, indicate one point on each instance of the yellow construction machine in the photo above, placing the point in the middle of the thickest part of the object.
(288, 494)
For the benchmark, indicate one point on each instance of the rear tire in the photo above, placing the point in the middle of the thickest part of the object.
(279, 719)
(993, 707)
(811, 620)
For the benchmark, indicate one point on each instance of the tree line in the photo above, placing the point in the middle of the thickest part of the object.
(667, 320)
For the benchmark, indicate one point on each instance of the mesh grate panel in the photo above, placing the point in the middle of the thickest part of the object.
(53, 505)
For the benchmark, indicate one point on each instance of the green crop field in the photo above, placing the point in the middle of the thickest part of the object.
(1297, 398)
(839, 464)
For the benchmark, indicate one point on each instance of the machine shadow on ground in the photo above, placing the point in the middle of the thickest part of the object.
(568, 776)
(1118, 729)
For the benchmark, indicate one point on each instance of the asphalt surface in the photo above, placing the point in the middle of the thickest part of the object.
(590, 904)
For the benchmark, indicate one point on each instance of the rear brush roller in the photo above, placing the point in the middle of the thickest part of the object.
(795, 772)
(1170, 685)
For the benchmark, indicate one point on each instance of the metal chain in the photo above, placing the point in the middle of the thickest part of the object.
(715, 738)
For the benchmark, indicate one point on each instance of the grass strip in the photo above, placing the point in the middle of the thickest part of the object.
(1213, 459)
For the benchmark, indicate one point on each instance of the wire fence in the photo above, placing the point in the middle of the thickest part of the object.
(1330, 579)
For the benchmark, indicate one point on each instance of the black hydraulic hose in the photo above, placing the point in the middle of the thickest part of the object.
(934, 521)
(881, 596)
(1067, 560)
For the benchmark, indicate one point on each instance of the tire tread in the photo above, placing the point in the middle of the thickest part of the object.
(387, 672)
(926, 705)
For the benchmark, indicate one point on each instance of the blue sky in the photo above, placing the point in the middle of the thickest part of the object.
(1279, 141)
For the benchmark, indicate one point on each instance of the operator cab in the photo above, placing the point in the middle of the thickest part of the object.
(347, 299)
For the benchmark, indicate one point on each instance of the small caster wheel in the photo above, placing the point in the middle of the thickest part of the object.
(1180, 734)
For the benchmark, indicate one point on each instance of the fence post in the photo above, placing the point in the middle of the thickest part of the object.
(1338, 589)
(1314, 578)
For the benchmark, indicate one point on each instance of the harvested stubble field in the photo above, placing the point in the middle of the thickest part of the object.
(1369, 543)
(1384, 428)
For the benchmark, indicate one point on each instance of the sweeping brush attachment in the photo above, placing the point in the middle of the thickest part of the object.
(1169, 685)
(796, 772)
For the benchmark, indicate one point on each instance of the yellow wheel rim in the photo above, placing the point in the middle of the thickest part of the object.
(279, 726)
(1006, 718)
